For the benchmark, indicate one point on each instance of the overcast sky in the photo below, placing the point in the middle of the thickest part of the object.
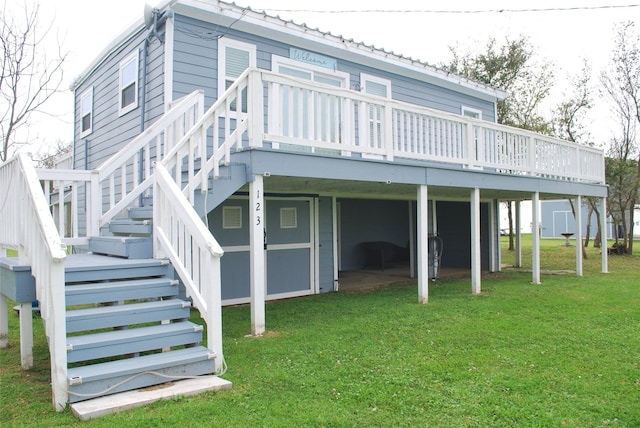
(562, 37)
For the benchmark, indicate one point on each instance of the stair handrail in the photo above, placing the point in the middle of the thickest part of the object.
(180, 235)
(229, 111)
(29, 227)
(151, 145)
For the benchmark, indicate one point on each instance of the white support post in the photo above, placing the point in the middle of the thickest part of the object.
(256, 116)
(4, 313)
(518, 235)
(499, 242)
(26, 336)
(257, 255)
(94, 203)
(494, 237)
(475, 242)
(535, 234)
(603, 235)
(423, 244)
(412, 243)
(389, 144)
(4, 321)
(579, 248)
(336, 272)
(471, 146)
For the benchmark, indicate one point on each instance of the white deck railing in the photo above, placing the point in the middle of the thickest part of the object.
(27, 226)
(327, 119)
(181, 236)
(223, 128)
(127, 175)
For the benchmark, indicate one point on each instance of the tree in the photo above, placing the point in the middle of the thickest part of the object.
(50, 158)
(513, 67)
(621, 86)
(569, 118)
(29, 77)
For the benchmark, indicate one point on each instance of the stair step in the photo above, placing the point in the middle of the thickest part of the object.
(102, 292)
(124, 315)
(128, 341)
(131, 227)
(94, 267)
(122, 246)
(141, 213)
(134, 373)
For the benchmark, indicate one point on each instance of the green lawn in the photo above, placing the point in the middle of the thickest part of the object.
(563, 353)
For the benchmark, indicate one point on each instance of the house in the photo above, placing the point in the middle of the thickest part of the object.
(253, 158)
(557, 218)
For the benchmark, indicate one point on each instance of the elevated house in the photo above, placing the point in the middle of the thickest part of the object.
(209, 129)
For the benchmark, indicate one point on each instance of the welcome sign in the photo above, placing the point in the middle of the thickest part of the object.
(312, 58)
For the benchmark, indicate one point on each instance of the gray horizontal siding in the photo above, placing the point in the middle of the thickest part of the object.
(111, 131)
(195, 59)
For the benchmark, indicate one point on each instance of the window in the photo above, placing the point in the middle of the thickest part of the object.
(232, 217)
(86, 112)
(471, 112)
(129, 83)
(233, 59)
(381, 87)
(288, 218)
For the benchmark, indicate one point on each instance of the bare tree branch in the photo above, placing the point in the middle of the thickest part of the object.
(29, 77)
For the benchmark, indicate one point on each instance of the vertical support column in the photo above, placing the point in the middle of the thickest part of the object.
(579, 248)
(423, 244)
(476, 266)
(603, 235)
(256, 109)
(518, 235)
(4, 313)
(4, 321)
(412, 243)
(535, 234)
(26, 336)
(498, 240)
(334, 216)
(389, 144)
(257, 255)
(494, 237)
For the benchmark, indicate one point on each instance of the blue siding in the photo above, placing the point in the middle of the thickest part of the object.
(557, 217)
(454, 228)
(195, 67)
(111, 132)
(370, 221)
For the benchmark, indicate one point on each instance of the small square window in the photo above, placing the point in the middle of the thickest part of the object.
(128, 83)
(232, 217)
(288, 218)
(471, 112)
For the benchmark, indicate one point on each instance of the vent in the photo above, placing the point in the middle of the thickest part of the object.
(288, 218)
(232, 217)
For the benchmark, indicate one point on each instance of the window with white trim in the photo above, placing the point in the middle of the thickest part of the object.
(381, 87)
(128, 83)
(234, 58)
(471, 112)
(86, 112)
(232, 217)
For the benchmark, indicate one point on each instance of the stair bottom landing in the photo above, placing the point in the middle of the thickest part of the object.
(110, 404)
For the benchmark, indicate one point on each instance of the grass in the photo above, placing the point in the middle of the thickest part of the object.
(563, 353)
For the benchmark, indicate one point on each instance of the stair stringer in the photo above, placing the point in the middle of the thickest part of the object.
(231, 179)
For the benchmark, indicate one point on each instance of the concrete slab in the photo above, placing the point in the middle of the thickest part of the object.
(98, 407)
